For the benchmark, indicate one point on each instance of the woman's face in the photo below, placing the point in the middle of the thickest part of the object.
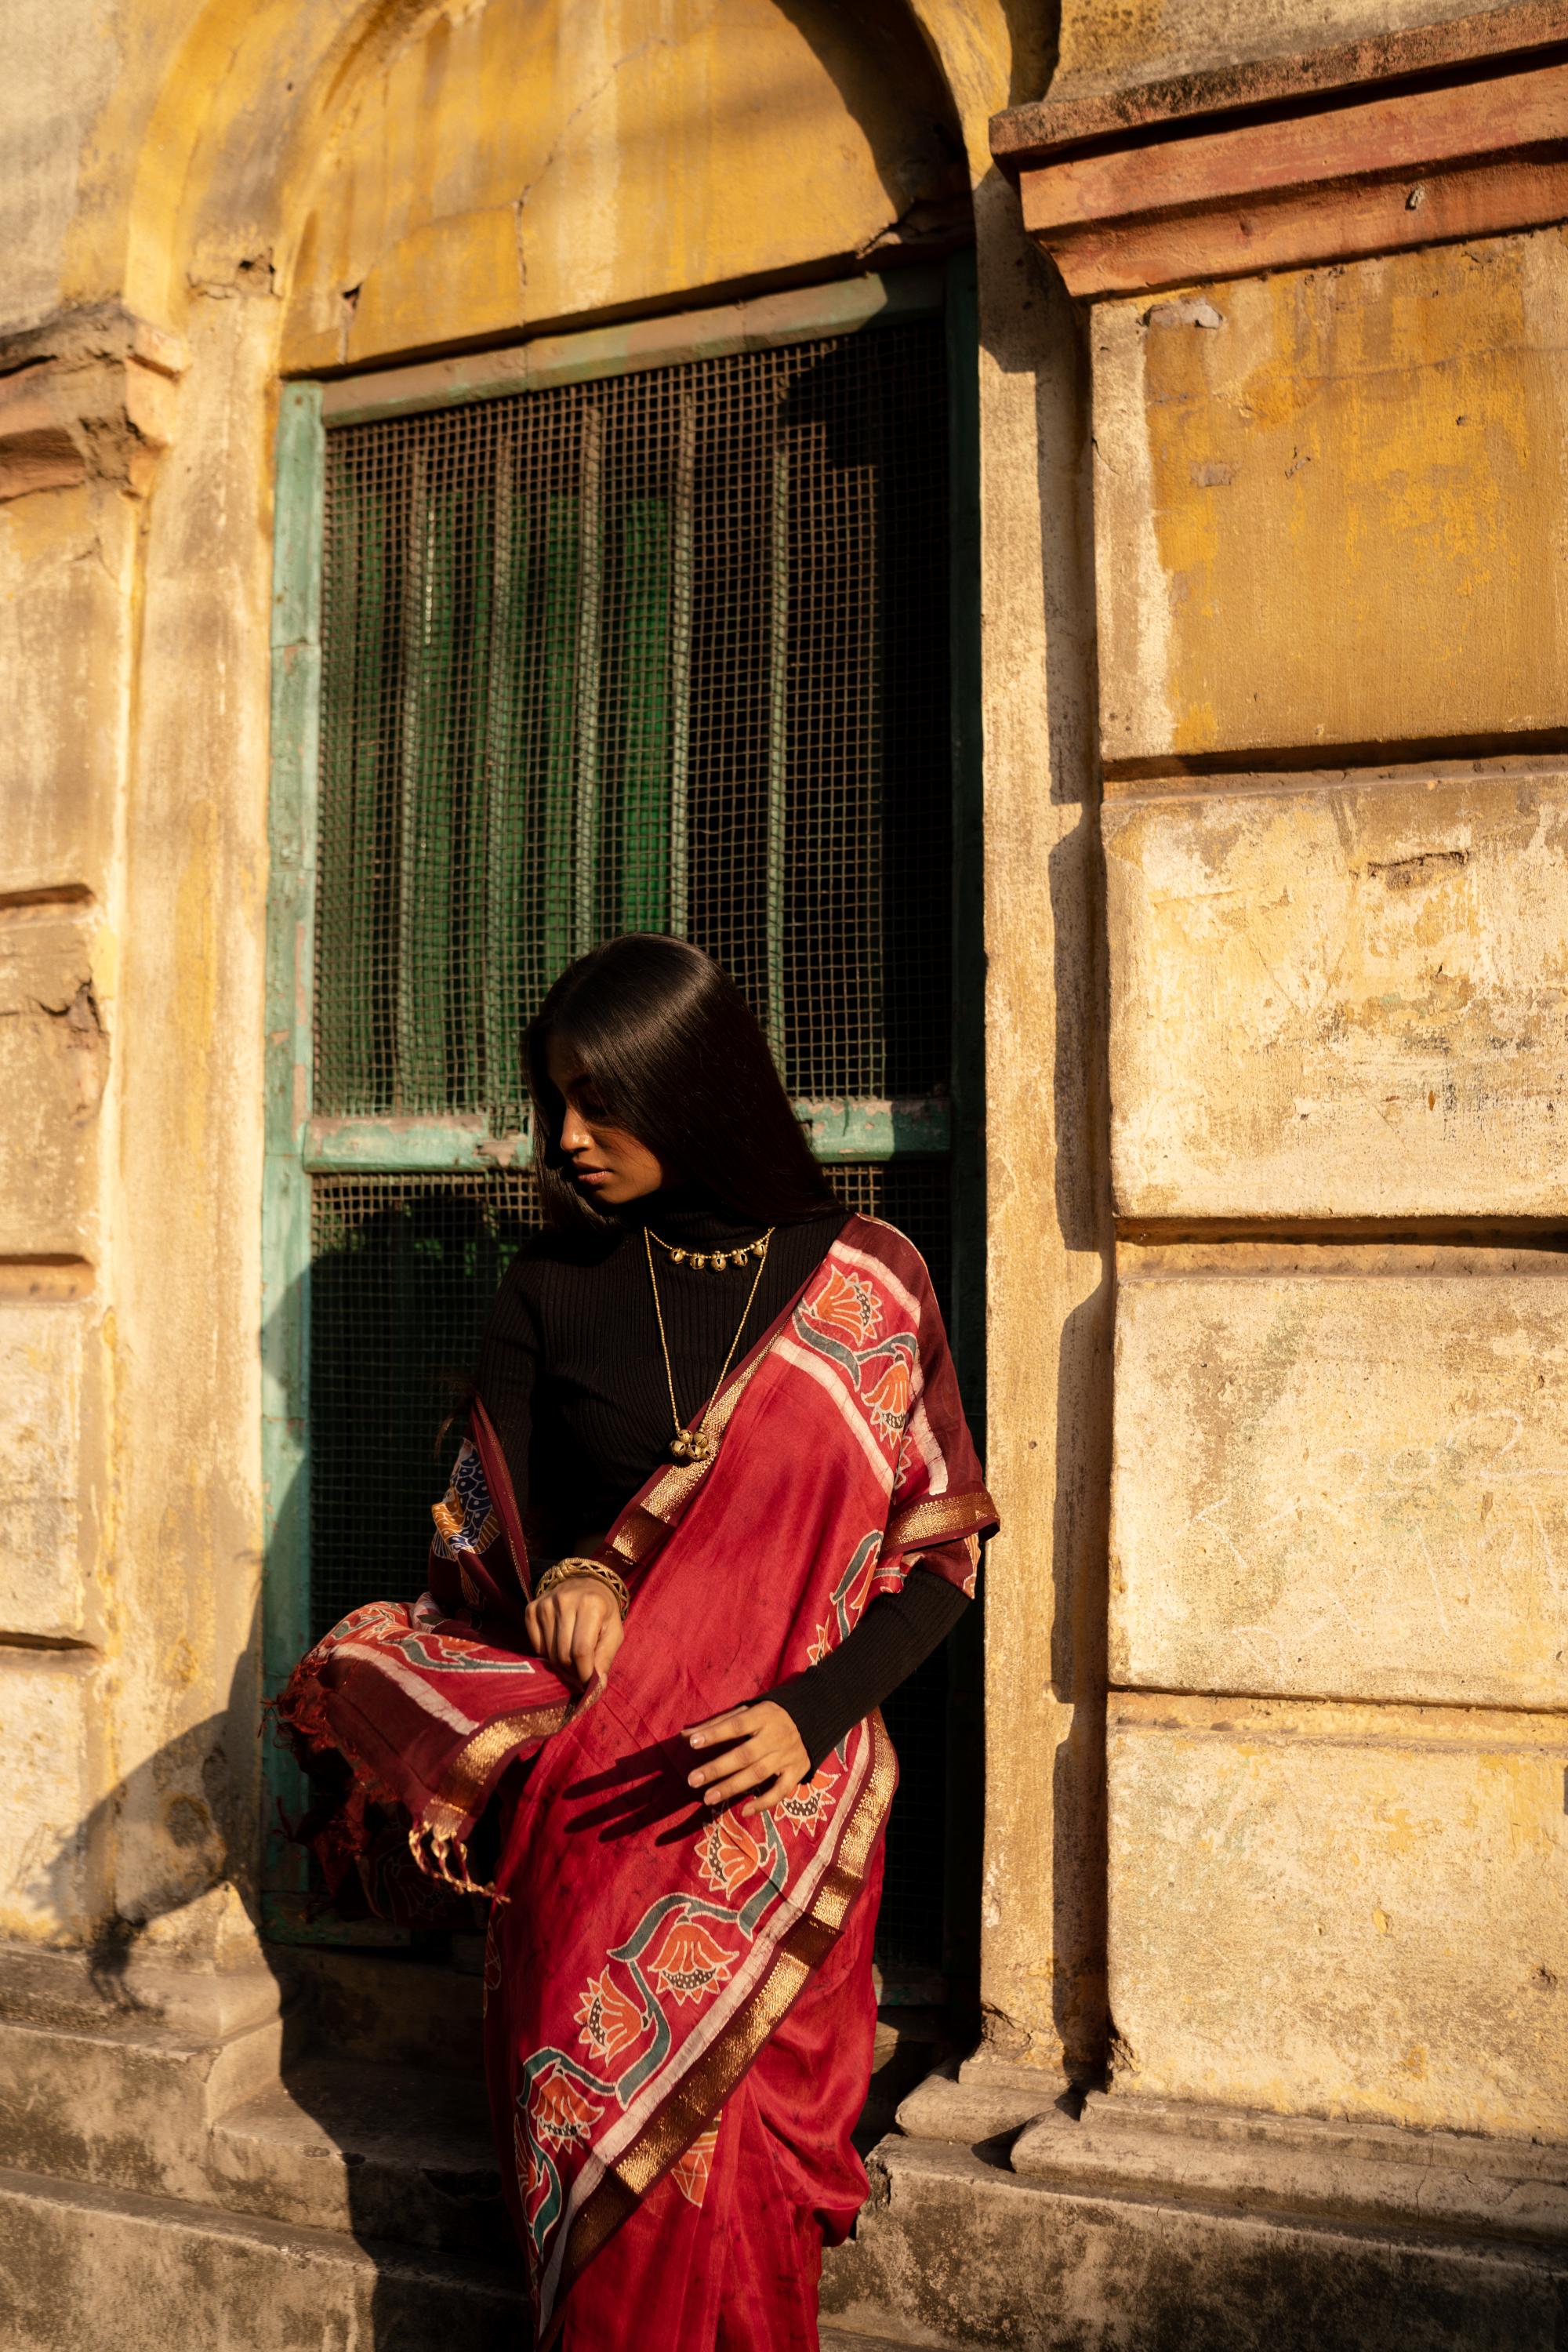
(607, 1164)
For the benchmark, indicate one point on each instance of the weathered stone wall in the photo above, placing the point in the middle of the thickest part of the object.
(1329, 516)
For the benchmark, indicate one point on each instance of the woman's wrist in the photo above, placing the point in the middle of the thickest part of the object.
(593, 1571)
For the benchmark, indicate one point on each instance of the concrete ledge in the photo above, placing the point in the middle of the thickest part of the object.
(1436, 2182)
(86, 1989)
(87, 2269)
(967, 2253)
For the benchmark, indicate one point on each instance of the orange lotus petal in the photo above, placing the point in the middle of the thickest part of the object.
(560, 2110)
(690, 2171)
(689, 1959)
(610, 2019)
(845, 1307)
(728, 1855)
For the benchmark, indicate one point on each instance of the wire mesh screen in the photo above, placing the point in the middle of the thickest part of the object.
(664, 652)
(404, 1270)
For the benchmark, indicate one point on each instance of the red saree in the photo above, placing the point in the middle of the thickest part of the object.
(680, 2003)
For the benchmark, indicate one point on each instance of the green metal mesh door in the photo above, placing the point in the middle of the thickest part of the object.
(663, 651)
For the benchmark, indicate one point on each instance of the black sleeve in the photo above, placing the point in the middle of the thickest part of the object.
(897, 1633)
(507, 1366)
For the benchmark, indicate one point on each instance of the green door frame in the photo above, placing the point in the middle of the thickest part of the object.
(301, 1145)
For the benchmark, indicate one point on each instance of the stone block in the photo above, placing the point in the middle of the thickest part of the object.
(1342, 1487)
(88, 2267)
(1341, 1911)
(45, 1835)
(41, 1498)
(384, 2011)
(1116, 48)
(1300, 2164)
(54, 1064)
(1320, 505)
(1343, 997)
(67, 568)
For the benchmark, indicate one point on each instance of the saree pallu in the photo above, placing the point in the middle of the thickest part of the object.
(679, 2000)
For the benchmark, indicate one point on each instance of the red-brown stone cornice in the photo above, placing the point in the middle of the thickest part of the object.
(1451, 131)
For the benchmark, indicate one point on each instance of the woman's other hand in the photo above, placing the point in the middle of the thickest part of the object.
(577, 1628)
(764, 1752)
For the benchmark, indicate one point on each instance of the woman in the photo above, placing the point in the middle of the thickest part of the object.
(717, 1500)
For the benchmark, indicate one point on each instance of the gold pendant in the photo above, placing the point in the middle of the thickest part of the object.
(691, 1445)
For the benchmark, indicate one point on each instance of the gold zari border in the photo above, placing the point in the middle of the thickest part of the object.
(639, 1535)
(467, 1777)
(938, 1516)
(679, 1485)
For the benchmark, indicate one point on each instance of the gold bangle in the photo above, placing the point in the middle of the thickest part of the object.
(594, 1568)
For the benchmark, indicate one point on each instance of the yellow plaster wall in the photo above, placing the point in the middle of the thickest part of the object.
(1331, 505)
(523, 163)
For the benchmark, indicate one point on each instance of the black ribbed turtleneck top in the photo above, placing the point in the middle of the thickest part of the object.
(572, 1377)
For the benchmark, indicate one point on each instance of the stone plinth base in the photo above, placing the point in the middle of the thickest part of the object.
(997, 2222)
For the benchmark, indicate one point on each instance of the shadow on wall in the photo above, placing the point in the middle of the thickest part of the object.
(177, 1827)
(383, 2066)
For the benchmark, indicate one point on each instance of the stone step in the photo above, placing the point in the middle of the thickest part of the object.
(968, 2253)
(95, 2270)
(395, 2009)
(127, 2101)
(98, 2269)
(845, 2339)
(383, 2152)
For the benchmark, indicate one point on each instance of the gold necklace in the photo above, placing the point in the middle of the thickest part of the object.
(717, 1259)
(697, 1443)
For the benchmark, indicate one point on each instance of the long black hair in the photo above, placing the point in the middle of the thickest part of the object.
(675, 1055)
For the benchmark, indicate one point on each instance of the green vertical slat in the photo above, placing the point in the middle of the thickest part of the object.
(411, 633)
(373, 740)
(589, 612)
(424, 894)
(338, 1065)
(286, 1191)
(777, 812)
(504, 829)
(968, 844)
(469, 1037)
(869, 951)
(562, 552)
(352, 751)
(645, 610)
(682, 584)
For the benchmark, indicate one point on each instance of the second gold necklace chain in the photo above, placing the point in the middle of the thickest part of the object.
(695, 1442)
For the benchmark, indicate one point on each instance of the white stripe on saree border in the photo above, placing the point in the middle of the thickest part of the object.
(826, 1377)
(395, 1671)
(883, 1273)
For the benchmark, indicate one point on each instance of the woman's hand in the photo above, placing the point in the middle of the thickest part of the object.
(577, 1628)
(764, 1752)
